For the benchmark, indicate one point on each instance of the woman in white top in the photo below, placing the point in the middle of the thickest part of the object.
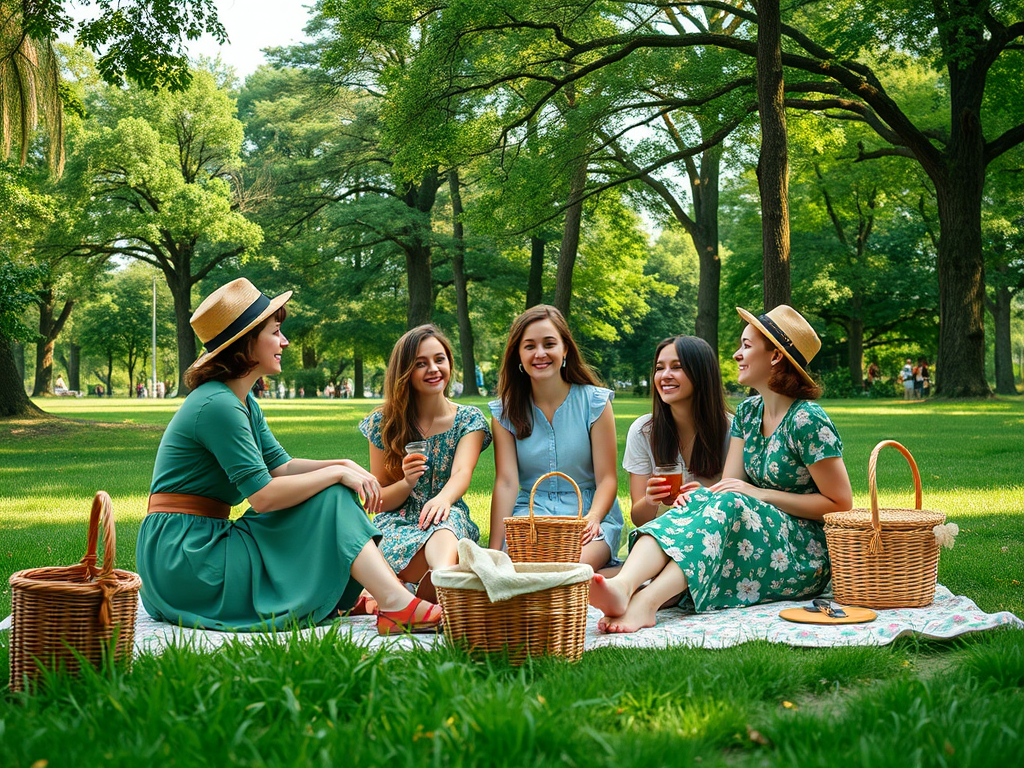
(688, 424)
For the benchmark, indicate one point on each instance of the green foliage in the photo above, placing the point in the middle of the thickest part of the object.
(16, 295)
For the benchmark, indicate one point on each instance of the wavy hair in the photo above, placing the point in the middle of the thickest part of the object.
(786, 380)
(514, 388)
(710, 412)
(235, 361)
(398, 423)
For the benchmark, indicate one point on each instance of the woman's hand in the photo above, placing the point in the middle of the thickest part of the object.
(736, 486)
(413, 467)
(364, 484)
(683, 498)
(657, 490)
(434, 511)
(592, 530)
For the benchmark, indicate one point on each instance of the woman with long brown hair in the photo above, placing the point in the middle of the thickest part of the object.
(553, 414)
(755, 536)
(305, 548)
(688, 426)
(423, 513)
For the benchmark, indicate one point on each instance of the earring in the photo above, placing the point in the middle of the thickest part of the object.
(564, 361)
(521, 369)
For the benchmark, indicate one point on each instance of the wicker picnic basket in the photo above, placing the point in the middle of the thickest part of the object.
(551, 622)
(546, 538)
(884, 558)
(62, 615)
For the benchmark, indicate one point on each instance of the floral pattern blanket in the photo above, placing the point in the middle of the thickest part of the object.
(949, 616)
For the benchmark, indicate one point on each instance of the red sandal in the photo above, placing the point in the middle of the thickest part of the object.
(406, 620)
(365, 606)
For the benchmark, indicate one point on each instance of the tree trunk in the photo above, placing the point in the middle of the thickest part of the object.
(49, 330)
(181, 292)
(535, 284)
(461, 290)
(308, 356)
(13, 400)
(855, 352)
(773, 163)
(110, 374)
(19, 359)
(418, 268)
(960, 368)
(705, 240)
(1002, 311)
(419, 272)
(358, 386)
(73, 365)
(570, 238)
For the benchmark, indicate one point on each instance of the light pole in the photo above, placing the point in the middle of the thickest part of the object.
(152, 390)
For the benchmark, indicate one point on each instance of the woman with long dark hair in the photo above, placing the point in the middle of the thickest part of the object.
(305, 548)
(688, 425)
(424, 514)
(756, 535)
(553, 414)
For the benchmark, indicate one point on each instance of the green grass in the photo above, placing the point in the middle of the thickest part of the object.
(324, 701)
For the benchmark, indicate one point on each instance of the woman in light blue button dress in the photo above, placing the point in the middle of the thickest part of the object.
(552, 414)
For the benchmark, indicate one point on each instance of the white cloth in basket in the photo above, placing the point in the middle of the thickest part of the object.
(491, 571)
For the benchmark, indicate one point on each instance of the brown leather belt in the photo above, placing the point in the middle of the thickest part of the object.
(187, 504)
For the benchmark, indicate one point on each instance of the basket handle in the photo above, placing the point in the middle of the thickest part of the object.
(875, 546)
(102, 511)
(533, 492)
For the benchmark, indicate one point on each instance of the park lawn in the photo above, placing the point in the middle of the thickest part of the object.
(326, 701)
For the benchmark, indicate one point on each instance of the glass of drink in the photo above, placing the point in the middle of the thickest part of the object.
(416, 447)
(673, 475)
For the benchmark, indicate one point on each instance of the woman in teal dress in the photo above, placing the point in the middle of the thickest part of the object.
(424, 514)
(305, 548)
(552, 414)
(756, 535)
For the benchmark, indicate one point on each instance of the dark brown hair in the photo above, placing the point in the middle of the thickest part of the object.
(514, 387)
(786, 380)
(710, 412)
(398, 424)
(235, 361)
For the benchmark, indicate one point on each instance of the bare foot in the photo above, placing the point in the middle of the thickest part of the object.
(638, 615)
(608, 595)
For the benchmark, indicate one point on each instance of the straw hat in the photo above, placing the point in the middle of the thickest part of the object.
(229, 313)
(787, 330)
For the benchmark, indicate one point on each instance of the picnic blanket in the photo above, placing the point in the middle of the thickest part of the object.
(949, 616)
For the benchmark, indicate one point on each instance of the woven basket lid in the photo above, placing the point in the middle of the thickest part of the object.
(890, 519)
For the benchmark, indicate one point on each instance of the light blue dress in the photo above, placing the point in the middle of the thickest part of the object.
(563, 445)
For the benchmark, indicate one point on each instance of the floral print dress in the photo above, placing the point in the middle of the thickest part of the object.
(400, 527)
(736, 550)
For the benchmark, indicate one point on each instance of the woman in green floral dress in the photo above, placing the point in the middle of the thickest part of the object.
(755, 536)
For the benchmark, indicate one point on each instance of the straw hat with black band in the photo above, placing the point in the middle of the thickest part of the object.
(230, 312)
(786, 329)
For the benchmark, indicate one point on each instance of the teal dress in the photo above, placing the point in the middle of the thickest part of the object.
(563, 445)
(260, 571)
(736, 550)
(403, 537)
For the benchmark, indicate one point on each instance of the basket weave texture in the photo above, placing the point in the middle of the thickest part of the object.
(884, 558)
(63, 615)
(552, 622)
(546, 538)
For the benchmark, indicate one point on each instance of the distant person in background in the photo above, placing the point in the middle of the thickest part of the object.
(924, 379)
(60, 383)
(907, 377)
(874, 373)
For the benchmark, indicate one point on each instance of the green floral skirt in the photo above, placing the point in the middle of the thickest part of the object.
(736, 550)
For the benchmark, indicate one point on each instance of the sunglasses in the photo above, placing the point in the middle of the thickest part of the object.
(820, 605)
